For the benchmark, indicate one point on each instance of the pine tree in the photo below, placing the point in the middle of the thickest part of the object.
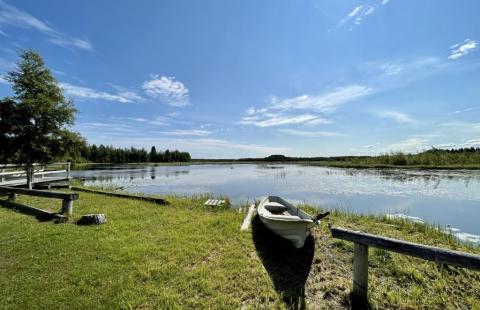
(34, 122)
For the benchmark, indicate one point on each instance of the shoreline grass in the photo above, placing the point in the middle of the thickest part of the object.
(186, 256)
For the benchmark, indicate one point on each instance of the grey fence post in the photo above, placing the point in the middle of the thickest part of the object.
(360, 276)
(67, 207)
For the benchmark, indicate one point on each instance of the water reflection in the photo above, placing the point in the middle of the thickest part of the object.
(437, 196)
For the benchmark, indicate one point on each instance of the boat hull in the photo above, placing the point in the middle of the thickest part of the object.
(295, 232)
(293, 225)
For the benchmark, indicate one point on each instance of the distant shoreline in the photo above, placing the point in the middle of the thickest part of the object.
(300, 162)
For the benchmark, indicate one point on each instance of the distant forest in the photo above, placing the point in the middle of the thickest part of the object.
(110, 154)
(433, 157)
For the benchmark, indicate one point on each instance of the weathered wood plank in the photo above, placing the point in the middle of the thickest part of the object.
(23, 181)
(39, 193)
(360, 276)
(439, 255)
(214, 202)
(160, 201)
(39, 213)
(248, 218)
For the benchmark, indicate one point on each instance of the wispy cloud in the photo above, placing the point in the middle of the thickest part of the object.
(312, 134)
(396, 116)
(466, 110)
(461, 49)
(3, 81)
(285, 111)
(13, 17)
(410, 145)
(360, 12)
(153, 122)
(168, 90)
(370, 146)
(186, 132)
(324, 103)
(108, 128)
(89, 93)
(269, 119)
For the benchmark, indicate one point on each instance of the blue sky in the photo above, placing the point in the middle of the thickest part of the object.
(252, 78)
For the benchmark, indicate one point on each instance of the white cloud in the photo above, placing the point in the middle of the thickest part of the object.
(391, 68)
(11, 16)
(471, 143)
(410, 145)
(160, 121)
(135, 119)
(63, 41)
(358, 14)
(370, 146)
(108, 128)
(465, 110)
(168, 90)
(269, 119)
(324, 103)
(311, 134)
(396, 116)
(281, 111)
(88, 93)
(3, 81)
(186, 132)
(465, 144)
(461, 49)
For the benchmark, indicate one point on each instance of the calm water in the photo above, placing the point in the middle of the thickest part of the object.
(440, 197)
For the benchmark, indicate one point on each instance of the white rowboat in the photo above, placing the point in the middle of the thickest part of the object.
(285, 220)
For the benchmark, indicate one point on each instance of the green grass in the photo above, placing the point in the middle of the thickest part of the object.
(185, 256)
(360, 165)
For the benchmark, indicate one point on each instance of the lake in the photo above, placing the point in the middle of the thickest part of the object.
(435, 196)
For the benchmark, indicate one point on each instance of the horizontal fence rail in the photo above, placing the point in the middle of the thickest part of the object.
(67, 198)
(360, 260)
(15, 175)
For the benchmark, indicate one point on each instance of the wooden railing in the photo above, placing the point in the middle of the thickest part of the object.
(11, 174)
(67, 198)
(360, 260)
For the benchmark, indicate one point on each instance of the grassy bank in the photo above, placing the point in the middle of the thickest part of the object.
(184, 256)
(341, 164)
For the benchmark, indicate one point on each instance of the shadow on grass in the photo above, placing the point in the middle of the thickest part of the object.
(40, 215)
(287, 266)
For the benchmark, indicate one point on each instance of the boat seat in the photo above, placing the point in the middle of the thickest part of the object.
(276, 208)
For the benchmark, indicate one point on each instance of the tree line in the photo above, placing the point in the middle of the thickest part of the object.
(110, 154)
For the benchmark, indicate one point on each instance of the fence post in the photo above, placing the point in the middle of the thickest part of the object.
(12, 197)
(67, 207)
(360, 276)
(32, 176)
(68, 169)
